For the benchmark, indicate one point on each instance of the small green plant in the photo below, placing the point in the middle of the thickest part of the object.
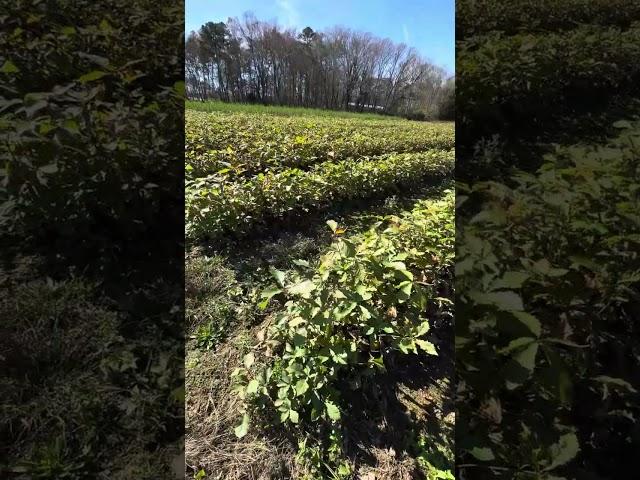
(547, 265)
(207, 336)
(430, 465)
(55, 460)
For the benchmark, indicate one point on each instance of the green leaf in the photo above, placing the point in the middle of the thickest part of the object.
(494, 215)
(516, 344)
(511, 280)
(615, 381)
(483, 454)
(427, 347)
(378, 362)
(405, 287)
(340, 313)
(346, 248)
(249, 359)
(564, 451)
(51, 168)
(508, 301)
(332, 410)
(407, 345)
(531, 322)
(242, 429)
(293, 416)
(301, 387)
(303, 288)
(253, 386)
(91, 76)
(344, 469)
(527, 357)
(278, 275)
(268, 294)
(9, 67)
(396, 266)
(422, 328)
(622, 124)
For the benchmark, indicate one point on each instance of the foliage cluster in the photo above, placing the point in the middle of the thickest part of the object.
(91, 123)
(476, 17)
(81, 119)
(526, 78)
(246, 143)
(547, 263)
(215, 207)
(533, 302)
(279, 110)
(369, 297)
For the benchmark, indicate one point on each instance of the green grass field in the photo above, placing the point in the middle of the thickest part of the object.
(218, 106)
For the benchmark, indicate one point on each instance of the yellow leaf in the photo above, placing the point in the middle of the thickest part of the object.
(91, 76)
(9, 67)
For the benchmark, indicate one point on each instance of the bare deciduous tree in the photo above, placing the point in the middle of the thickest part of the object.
(253, 61)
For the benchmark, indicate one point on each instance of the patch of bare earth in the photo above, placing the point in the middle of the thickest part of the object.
(414, 398)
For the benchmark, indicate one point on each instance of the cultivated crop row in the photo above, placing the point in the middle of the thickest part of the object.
(530, 73)
(215, 206)
(475, 17)
(246, 144)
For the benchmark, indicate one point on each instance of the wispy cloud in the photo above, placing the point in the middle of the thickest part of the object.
(289, 13)
(405, 33)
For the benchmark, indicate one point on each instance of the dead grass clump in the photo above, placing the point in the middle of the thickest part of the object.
(388, 465)
(212, 409)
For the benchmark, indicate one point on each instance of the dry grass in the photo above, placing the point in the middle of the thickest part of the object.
(388, 465)
(212, 410)
(380, 430)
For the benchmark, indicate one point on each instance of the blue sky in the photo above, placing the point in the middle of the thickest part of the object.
(426, 25)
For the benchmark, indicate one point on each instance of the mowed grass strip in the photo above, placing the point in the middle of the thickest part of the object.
(280, 110)
(215, 207)
(247, 144)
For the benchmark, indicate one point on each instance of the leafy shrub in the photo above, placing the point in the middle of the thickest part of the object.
(84, 159)
(523, 79)
(215, 207)
(475, 17)
(246, 144)
(547, 273)
(90, 127)
(368, 297)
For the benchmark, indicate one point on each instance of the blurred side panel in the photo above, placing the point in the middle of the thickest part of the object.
(92, 231)
(547, 237)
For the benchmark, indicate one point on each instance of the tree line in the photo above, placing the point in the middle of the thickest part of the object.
(253, 61)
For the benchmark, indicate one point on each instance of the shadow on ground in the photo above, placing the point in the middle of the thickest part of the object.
(405, 414)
